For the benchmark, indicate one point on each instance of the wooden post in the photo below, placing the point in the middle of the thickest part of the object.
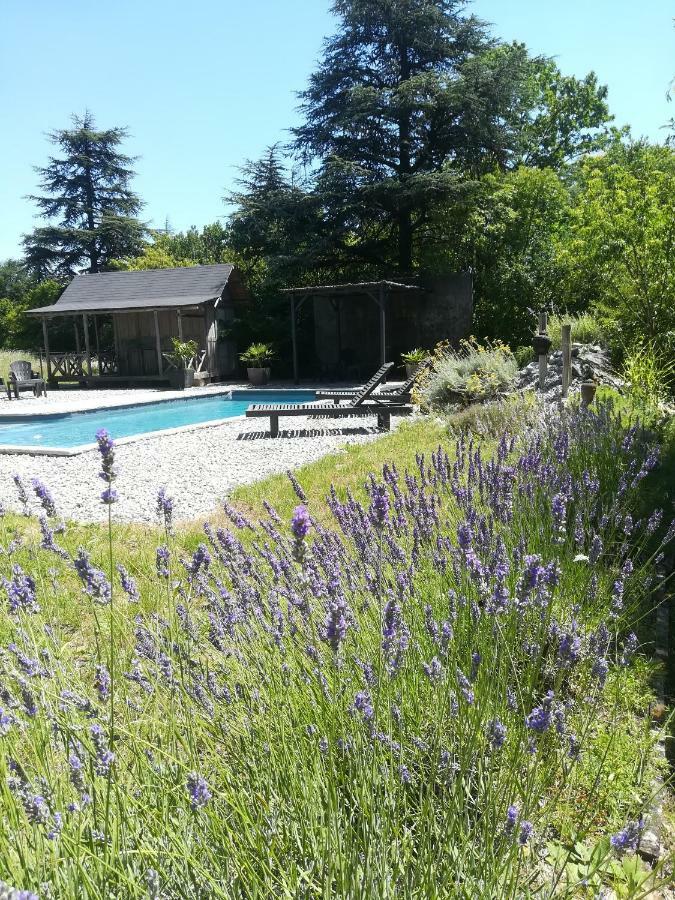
(543, 359)
(85, 326)
(97, 343)
(78, 346)
(180, 325)
(158, 341)
(543, 366)
(383, 326)
(294, 339)
(45, 337)
(116, 344)
(566, 344)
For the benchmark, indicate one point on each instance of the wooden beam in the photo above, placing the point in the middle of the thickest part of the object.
(158, 341)
(45, 337)
(85, 326)
(383, 326)
(294, 338)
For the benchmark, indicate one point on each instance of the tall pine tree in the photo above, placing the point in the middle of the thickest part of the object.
(411, 99)
(88, 203)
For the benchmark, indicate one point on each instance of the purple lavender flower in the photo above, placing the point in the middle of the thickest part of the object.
(20, 591)
(48, 541)
(198, 791)
(102, 683)
(300, 522)
(433, 670)
(464, 535)
(104, 755)
(96, 585)
(629, 647)
(526, 830)
(22, 493)
(654, 521)
(496, 733)
(300, 494)
(43, 494)
(364, 704)
(162, 561)
(511, 818)
(465, 687)
(106, 448)
(405, 775)
(7, 892)
(539, 719)
(76, 773)
(379, 505)
(336, 623)
(128, 584)
(599, 669)
(165, 508)
(559, 514)
(628, 838)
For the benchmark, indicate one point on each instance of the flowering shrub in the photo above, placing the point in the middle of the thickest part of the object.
(406, 700)
(474, 373)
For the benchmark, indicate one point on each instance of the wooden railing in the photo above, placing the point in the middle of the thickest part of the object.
(74, 365)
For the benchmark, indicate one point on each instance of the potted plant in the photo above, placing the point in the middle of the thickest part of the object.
(183, 376)
(413, 359)
(257, 360)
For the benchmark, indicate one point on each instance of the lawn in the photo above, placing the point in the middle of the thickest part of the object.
(432, 681)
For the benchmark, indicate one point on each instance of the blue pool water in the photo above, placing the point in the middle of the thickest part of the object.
(70, 430)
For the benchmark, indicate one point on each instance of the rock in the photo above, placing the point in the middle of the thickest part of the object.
(650, 847)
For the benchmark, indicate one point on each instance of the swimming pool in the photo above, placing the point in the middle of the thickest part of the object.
(65, 431)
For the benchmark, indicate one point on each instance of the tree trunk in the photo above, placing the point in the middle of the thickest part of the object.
(91, 221)
(404, 213)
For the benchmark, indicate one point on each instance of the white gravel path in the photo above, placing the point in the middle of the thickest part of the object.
(197, 467)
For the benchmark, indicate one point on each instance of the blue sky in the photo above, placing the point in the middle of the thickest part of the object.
(204, 85)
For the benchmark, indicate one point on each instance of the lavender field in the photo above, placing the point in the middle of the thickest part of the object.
(436, 684)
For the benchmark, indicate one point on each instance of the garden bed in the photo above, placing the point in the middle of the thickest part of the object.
(430, 682)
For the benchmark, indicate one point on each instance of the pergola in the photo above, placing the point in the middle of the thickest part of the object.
(378, 291)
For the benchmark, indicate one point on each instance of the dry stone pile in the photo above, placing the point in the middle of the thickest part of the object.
(587, 359)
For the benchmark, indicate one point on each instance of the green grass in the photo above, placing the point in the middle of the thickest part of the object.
(246, 701)
(586, 329)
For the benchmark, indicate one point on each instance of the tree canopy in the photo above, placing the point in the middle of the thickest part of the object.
(87, 200)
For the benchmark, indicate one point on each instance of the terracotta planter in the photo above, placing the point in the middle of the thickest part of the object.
(182, 378)
(259, 376)
(588, 389)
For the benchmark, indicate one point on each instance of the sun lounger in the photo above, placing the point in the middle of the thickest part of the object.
(399, 394)
(383, 411)
(22, 378)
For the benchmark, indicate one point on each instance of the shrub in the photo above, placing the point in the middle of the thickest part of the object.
(586, 329)
(474, 373)
(406, 698)
(649, 375)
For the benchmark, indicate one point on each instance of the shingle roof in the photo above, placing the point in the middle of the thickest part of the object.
(146, 289)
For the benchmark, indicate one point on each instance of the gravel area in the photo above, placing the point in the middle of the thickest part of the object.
(198, 467)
